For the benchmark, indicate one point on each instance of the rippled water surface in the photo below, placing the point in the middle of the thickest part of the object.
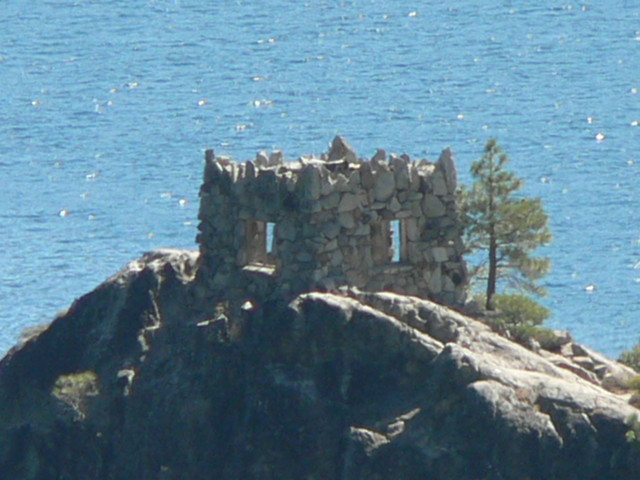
(107, 107)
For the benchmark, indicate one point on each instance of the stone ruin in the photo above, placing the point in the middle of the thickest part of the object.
(388, 223)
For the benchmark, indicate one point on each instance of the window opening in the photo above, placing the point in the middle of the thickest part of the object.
(388, 242)
(270, 238)
(396, 240)
(260, 242)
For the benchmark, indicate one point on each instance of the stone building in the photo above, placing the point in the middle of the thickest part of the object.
(267, 226)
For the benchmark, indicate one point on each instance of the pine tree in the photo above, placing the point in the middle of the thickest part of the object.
(508, 227)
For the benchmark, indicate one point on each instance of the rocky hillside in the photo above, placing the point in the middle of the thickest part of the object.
(151, 377)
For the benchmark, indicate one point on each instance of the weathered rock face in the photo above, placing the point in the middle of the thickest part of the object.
(143, 379)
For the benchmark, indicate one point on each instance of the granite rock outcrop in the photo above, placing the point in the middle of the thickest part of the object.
(146, 378)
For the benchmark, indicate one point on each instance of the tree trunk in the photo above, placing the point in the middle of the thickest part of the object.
(493, 271)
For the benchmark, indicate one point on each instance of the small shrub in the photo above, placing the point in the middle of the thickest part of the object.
(546, 338)
(633, 434)
(74, 388)
(633, 384)
(518, 309)
(518, 317)
(631, 358)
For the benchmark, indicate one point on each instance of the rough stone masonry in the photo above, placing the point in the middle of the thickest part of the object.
(388, 223)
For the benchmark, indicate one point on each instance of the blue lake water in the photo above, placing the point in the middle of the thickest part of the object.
(107, 107)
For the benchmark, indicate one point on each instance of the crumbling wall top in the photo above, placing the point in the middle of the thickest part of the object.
(338, 164)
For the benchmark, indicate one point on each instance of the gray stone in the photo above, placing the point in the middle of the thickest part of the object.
(435, 281)
(447, 163)
(366, 176)
(331, 245)
(411, 229)
(290, 183)
(304, 257)
(385, 185)
(413, 252)
(262, 159)
(438, 183)
(448, 284)
(331, 230)
(340, 149)
(379, 156)
(331, 201)
(326, 188)
(363, 230)
(309, 182)
(432, 207)
(233, 172)
(341, 184)
(250, 170)
(276, 158)
(349, 201)
(394, 204)
(402, 173)
(241, 258)
(240, 183)
(346, 220)
(266, 186)
(336, 258)
(286, 230)
(354, 181)
(213, 170)
(308, 231)
(246, 214)
(416, 209)
(414, 178)
(440, 254)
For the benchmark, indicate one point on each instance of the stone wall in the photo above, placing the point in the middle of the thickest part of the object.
(388, 223)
